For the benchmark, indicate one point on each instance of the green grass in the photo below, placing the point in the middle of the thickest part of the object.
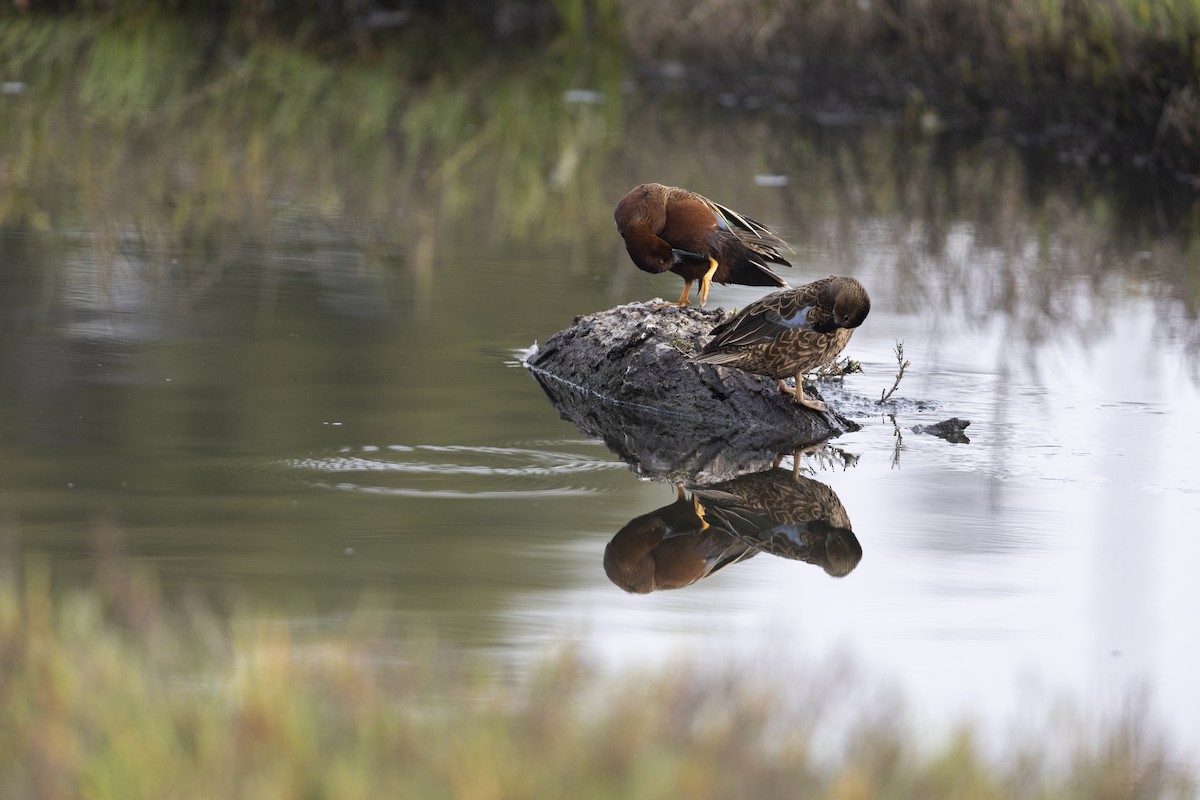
(160, 140)
(112, 692)
(1121, 77)
(1116, 79)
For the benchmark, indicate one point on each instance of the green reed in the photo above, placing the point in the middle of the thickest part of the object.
(124, 110)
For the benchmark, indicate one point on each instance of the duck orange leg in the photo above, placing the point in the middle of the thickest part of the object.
(799, 396)
(699, 509)
(683, 298)
(706, 281)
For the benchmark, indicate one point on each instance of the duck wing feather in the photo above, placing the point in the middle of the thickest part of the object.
(763, 321)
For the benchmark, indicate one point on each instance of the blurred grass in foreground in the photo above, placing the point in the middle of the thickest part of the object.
(111, 692)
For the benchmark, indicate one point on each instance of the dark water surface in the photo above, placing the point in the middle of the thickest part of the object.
(315, 404)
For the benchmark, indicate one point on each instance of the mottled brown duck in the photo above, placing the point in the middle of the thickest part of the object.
(786, 515)
(790, 333)
(670, 229)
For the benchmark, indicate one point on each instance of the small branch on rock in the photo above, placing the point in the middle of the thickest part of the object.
(837, 370)
(900, 360)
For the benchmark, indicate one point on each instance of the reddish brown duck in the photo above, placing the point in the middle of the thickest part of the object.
(669, 548)
(666, 228)
(789, 333)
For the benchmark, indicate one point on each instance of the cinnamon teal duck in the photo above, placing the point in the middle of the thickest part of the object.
(670, 547)
(670, 229)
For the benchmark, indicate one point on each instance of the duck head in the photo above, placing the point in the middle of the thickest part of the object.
(852, 304)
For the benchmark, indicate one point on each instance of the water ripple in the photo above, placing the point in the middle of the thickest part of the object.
(457, 471)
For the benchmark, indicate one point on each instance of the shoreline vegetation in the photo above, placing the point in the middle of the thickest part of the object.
(158, 143)
(1108, 82)
(154, 125)
(113, 691)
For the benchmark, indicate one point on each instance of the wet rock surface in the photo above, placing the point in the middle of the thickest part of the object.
(623, 375)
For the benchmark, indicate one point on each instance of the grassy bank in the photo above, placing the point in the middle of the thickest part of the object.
(113, 692)
(1116, 79)
(1113, 80)
(120, 146)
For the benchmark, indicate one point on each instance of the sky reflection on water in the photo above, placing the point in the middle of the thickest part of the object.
(1048, 557)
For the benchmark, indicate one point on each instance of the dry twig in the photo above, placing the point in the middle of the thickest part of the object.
(900, 360)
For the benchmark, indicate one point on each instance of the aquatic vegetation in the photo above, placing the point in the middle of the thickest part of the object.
(902, 364)
(112, 691)
(837, 369)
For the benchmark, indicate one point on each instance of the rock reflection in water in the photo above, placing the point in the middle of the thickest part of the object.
(672, 448)
(740, 503)
(774, 511)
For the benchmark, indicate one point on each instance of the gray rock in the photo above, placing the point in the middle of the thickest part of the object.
(623, 375)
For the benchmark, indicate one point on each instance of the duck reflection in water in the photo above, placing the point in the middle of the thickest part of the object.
(787, 515)
(669, 548)
(775, 511)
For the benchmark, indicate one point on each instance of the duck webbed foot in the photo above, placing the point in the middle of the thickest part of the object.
(799, 396)
(683, 298)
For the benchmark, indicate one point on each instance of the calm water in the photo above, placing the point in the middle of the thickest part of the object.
(317, 405)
